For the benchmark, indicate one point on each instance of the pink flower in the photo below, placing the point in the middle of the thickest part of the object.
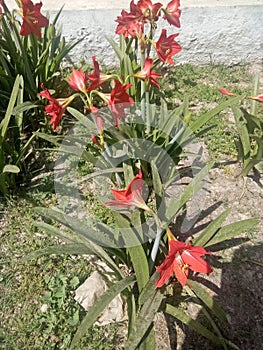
(172, 13)
(180, 259)
(167, 47)
(78, 80)
(56, 108)
(132, 196)
(147, 74)
(33, 20)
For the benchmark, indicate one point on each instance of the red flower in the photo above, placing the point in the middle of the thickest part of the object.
(167, 47)
(33, 20)
(78, 80)
(129, 25)
(258, 98)
(180, 259)
(145, 10)
(147, 74)
(172, 13)
(226, 92)
(118, 100)
(56, 108)
(132, 196)
(96, 78)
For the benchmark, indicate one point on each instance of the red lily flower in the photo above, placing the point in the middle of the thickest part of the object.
(132, 196)
(145, 10)
(180, 259)
(129, 25)
(33, 20)
(258, 98)
(118, 100)
(167, 47)
(147, 74)
(226, 92)
(172, 13)
(78, 80)
(96, 78)
(56, 108)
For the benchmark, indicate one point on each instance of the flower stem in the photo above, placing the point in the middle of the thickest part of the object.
(155, 246)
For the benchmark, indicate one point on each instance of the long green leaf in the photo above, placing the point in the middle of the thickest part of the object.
(211, 229)
(193, 187)
(69, 249)
(73, 224)
(190, 322)
(5, 122)
(232, 230)
(203, 119)
(144, 320)
(204, 295)
(94, 312)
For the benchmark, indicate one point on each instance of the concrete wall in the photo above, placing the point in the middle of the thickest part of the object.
(211, 31)
(226, 34)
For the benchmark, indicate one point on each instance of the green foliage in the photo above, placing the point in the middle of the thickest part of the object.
(13, 147)
(36, 60)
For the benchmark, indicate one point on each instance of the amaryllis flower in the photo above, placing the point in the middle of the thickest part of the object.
(180, 259)
(147, 74)
(129, 25)
(258, 98)
(167, 47)
(96, 78)
(226, 92)
(118, 100)
(145, 10)
(56, 108)
(172, 13)
(132, 196)
(33, 20)
(78, 80)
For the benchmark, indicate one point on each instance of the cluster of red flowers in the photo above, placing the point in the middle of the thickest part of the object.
(181, 257)
(129, 24)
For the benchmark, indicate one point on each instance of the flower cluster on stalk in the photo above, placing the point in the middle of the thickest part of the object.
(113, 90)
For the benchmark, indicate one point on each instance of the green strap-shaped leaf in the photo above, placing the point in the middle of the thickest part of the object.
(190, 322)
(144, 320)
(203, 294)
(94, 312)
(211, 229)
(59, 249)
(193, 187)
(5, 122)
(78, 228)
(136, 252)
(232, 230)
(203, 119)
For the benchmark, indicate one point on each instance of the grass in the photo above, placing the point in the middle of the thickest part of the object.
(38, 310)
